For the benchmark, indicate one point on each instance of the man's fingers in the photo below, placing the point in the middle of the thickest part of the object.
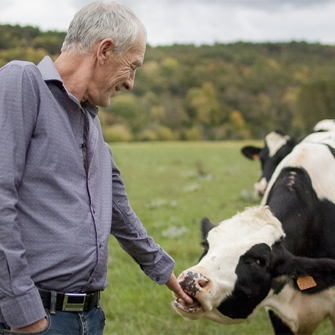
(174, 286)
(188, 300)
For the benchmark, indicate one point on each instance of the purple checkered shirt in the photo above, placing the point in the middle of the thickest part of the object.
(55, 219)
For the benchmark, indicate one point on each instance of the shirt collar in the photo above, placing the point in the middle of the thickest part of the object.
(50, 73)
(48, 70)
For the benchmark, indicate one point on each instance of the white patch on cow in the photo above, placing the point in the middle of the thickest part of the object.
(301, 312)
(275, 141)
(317, 160)
(228, 241)
(323, 137)
(325, 125)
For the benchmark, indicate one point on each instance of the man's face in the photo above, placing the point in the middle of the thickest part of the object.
(117, 72)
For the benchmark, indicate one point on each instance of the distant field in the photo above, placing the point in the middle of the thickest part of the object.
(171, 186)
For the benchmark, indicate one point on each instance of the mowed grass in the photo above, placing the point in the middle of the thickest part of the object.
(171, 187)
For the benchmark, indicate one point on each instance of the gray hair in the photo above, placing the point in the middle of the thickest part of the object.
(100, 20)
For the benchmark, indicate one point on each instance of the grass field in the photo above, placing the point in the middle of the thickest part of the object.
(171, 186)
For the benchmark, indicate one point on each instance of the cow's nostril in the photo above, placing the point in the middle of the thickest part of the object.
(203, 283)
(193, 282)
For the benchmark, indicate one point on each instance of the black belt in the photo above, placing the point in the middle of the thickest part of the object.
(69, 302)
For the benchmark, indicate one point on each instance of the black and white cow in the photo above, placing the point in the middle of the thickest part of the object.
(276, 147)
(279, 255)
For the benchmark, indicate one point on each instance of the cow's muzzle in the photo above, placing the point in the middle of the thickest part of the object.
(194, 284)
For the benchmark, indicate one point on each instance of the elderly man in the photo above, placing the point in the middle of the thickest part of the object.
(61, 194)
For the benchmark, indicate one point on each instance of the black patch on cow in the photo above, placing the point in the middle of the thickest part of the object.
(278, 285)
(206, 226)
(308, 222)
(292, 200)
(189, 284)
(321, 269)
(252, 285)
(279, 326)
(283, 263)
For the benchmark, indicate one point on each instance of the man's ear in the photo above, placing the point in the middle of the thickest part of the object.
(105, 50)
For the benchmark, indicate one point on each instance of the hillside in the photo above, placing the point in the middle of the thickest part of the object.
(210, 92)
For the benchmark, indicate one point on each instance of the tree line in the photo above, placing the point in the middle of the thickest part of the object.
(222, 91)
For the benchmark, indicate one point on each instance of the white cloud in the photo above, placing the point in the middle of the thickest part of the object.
(54, 15)
(292, 23)
(196, 21)
(5, 3)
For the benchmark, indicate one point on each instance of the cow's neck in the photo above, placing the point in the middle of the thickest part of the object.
(297, 309)
(280, 303)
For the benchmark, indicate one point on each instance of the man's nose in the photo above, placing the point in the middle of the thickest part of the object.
(129, 83)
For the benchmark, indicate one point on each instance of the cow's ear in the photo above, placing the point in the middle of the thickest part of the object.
(251, 152)
(206, 226)
(314, 274)
(310, 275)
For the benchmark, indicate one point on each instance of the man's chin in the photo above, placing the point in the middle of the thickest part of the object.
(104, 103)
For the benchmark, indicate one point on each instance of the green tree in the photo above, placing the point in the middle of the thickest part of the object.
(191, 92)
(130, 112)
(316, 101)
(203, 106)
(117, 133)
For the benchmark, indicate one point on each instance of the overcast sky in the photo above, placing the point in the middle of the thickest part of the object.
(197, 21)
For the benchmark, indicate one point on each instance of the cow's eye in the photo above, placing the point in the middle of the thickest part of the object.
(261, 262)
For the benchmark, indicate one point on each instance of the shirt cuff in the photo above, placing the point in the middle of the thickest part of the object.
(162, 270)
(21, 311)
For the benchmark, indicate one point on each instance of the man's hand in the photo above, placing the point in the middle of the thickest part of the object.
(174, 286)
(34, 327)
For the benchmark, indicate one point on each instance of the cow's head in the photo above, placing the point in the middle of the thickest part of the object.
(277, 146)
(245, 266)
(234, 274)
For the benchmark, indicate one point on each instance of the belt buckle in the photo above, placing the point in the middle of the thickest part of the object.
(74, 302)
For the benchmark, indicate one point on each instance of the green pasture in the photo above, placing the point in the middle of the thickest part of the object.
(171, 186)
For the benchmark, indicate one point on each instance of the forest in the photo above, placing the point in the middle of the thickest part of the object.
(239, 90)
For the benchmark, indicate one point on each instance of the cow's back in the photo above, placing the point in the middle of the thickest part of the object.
(301, 194)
